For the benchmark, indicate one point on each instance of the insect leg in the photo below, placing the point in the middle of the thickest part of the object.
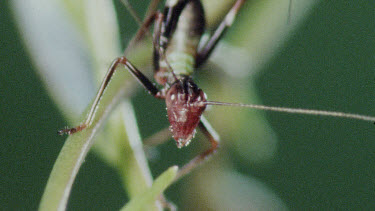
(143, 30)
(152, 7)
(214, 139)
(157, 33)
(147, 84)
(205, 51)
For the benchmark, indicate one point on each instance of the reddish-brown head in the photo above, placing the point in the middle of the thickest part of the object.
(184, 106)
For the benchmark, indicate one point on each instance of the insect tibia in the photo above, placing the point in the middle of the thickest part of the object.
(297, 111)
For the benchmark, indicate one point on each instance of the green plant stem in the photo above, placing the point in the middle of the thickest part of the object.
(150, 195)
(74, 152)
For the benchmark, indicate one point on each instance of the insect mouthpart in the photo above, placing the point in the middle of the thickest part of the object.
(184, 107)
(184, 142)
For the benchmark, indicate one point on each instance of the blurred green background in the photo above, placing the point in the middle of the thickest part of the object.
(321, 163)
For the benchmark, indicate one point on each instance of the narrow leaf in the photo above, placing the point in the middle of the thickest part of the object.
(149, 197)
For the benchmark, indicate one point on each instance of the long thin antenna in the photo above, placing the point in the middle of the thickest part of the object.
(149, 17)
(132, 12)
(152, 7)
(296, 111)
(143, 26)
(150, 10)
(289, 11)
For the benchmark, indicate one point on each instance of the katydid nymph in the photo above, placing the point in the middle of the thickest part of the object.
(177, 54)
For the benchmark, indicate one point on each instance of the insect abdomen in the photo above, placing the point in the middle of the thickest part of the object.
(182, 48)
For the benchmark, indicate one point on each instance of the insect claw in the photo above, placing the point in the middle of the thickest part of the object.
(70, 131)
(62, 132)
